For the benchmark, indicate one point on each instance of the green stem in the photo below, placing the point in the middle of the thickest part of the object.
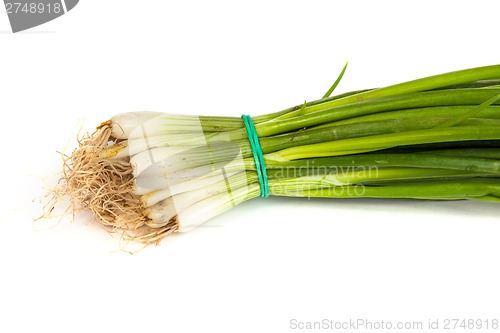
(333, 132)
(409, 101)
(427, 83)
(270, 116)
(485, 153)
(491, 112)
(372, 175)
(383, 141)
(324, 165)
(429, 190)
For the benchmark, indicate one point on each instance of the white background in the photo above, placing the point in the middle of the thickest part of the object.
(264, 262)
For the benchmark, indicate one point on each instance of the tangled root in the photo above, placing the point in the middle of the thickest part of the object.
(105, 187)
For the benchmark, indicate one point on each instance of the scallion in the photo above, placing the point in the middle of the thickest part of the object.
(148, 174)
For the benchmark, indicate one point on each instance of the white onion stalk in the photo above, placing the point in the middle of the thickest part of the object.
(196, 212)
(202, 185)
(149, 174)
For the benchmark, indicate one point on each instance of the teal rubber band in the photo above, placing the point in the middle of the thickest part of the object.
(258, 156)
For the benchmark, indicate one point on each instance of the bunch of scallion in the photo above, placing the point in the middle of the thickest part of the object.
(148, 174)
